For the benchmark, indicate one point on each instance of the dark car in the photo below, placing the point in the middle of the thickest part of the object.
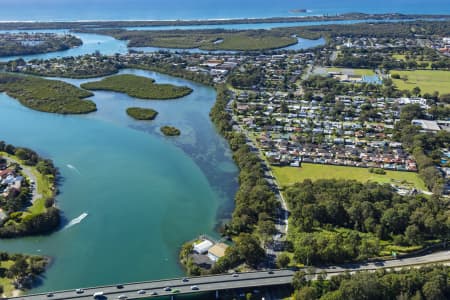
(119, 286)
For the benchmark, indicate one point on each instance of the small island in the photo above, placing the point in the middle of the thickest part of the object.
(47, 95)
(170, 131)
(24, 43)
(138, 87)
(140, 113)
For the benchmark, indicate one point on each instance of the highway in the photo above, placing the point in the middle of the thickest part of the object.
(230, 281)
(204, 284)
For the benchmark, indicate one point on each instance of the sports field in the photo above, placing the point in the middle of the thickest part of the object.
(428, 81)
(290, 175)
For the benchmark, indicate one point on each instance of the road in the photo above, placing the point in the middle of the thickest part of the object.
(204, 284)
(282, 223)
(228, 281)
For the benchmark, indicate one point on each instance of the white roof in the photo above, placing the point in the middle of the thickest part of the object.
(203, 246)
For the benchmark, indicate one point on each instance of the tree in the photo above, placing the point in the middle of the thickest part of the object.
(266, 230)
(249, 250)
(19, 268)
(412, 234)
(416, 91)
(299, 280)
(307, 293)
(283, 260)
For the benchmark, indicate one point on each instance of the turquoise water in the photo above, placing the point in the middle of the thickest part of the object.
(145, 194)
(91, 43)
(108, 45)
(63, 10)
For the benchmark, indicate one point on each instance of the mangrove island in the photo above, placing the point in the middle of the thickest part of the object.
(170, 131)
(138, 87)
(46, 95)
(140, 113)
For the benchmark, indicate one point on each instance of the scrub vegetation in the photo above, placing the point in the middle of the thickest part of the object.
(46, 95)
(138, 87)
(425, 283)
(139, 113)
(19, 271)
(170, 131)
(337, 221)
(243, 40)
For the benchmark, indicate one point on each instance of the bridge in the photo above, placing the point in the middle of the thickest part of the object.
(216, 283)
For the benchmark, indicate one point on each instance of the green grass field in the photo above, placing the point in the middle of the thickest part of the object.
(427, 81)
(290, 175)
(403, 58)
(360, 72)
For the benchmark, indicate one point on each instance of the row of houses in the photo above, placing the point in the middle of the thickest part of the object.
(294, 130)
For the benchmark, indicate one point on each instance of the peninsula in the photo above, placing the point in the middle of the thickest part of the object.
(27, 190)
(12, 44)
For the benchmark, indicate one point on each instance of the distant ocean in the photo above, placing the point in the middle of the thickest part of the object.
(72, 10)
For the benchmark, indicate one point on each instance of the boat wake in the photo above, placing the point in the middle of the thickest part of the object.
(73, 168)
(76, 220)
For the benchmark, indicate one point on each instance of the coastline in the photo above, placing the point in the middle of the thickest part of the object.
(92, 24)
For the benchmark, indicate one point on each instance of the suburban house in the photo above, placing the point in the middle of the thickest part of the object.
(217, 251)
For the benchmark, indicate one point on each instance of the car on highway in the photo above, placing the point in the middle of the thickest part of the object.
(79, 291)
(50, 295)
(185, 279)
(153, 293)
(122, 297)
(167, 289)
(270, 272)
(141, 292)
(176, 291)
(194, 288)
(235, 275)
(119, 286)
(98, 295)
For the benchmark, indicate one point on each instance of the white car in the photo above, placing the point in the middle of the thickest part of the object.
(98, 295)
(141, 292)
(122, 297)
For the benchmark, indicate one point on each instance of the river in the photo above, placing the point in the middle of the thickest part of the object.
(144, 194)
